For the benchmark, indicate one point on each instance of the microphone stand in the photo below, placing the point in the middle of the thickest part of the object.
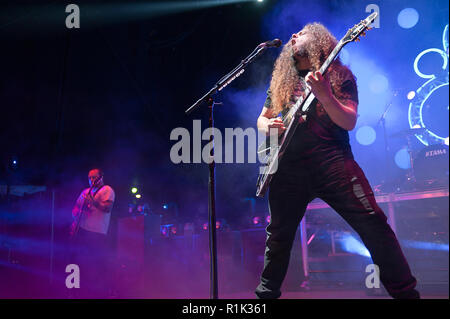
(382, 120)
(208, 97)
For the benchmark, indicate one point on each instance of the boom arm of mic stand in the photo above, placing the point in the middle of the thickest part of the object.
(227, 79)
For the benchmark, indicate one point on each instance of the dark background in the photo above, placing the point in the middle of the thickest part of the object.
(110, 93)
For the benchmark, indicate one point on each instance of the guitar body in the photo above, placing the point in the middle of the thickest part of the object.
(274, 151)
(75, 226)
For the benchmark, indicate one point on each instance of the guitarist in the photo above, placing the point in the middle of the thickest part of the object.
(91, 217)
(318, 162)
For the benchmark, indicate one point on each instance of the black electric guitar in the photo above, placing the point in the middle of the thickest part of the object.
(273, 153)
(75, 226)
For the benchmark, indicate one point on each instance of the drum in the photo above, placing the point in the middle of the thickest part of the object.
(431, 163)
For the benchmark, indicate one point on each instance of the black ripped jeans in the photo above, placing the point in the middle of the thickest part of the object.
(338, 180)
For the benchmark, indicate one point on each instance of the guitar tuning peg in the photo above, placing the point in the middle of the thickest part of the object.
(363, 34)
(357, 40)
(369, 28)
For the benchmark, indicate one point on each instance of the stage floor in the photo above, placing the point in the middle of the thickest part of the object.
(325, 294)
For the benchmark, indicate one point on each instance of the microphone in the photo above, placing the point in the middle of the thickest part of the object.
(275, 43)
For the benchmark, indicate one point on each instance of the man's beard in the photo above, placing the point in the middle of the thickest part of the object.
(301, 53)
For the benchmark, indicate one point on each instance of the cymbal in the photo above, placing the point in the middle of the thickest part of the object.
(408, 132)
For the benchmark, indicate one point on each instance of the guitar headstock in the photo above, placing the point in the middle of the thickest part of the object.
(359, 29)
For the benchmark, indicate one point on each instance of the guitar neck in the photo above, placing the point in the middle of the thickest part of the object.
(309, 96)
(331, 57)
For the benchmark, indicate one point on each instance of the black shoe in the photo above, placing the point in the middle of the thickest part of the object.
(409, 294)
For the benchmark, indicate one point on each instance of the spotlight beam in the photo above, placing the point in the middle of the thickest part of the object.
(108, 13)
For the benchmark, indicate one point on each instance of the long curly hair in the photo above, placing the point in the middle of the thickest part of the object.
(285, 76)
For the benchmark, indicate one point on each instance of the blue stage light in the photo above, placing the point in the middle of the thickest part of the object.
(408, 18)
(402, 159)
(425, 245)
(378, 84)
(411, 95)
(366, 135)
(352, 245)
(435, 82)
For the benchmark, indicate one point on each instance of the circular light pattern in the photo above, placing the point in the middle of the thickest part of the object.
(366, 135)
(138, 196)
(134, 190)
(402, 159)
(416, 61)
(445, 39)
(416, 110)
(378, 84)
(436, 81)
(408, 18)
(411, 95)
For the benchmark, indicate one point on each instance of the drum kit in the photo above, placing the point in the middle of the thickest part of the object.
(429, 166)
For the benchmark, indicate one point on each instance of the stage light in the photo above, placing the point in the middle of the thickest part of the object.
(14, 163)
(408, 18)
(138, 196)
(218, 224)
(256, 221)
(425, 245)
(446, 141)
(268, 219)
(411, 95)
(402, 159)
(434, 82)
(378, 84)
(168, 230)
(260, 0)
(134, 190)
(164, 231)
(352, 245)
(165, 206)
(366, 135)
(205, 226)
(107, 13)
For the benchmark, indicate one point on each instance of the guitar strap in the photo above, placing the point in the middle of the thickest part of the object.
(95, 193)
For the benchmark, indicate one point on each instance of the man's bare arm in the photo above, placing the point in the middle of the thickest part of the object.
(267, 121)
